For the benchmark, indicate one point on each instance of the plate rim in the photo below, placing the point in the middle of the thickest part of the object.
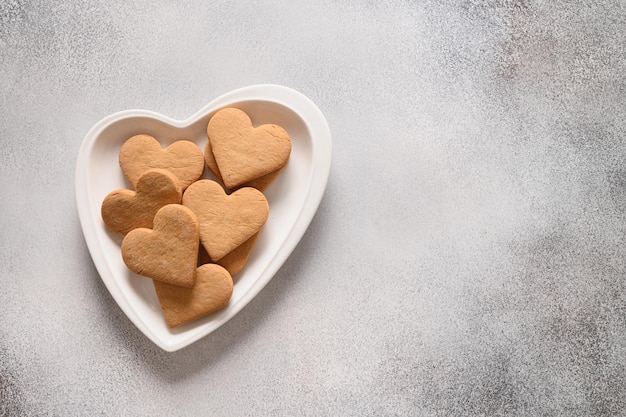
(321, 139)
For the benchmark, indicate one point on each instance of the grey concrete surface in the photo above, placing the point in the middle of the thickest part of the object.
(468, 257)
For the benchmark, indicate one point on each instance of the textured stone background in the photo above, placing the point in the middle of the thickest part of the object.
(468, 257)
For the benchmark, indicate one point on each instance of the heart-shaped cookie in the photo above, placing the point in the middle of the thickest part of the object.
(226, 221)
(243, 152)
(125, 210)
(260, 183)
(168, 252)
(143, 152)
(211, 292)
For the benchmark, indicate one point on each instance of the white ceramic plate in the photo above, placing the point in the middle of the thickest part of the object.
(293, 199)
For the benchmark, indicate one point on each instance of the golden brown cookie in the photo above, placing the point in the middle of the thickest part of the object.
(143, 152)
(243, 152)
(168, 252)
(233, 261)
(211, 292)
(226, 221)
(125, 210)
(260, 183)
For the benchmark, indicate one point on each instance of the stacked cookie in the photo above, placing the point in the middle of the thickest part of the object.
(191, 235)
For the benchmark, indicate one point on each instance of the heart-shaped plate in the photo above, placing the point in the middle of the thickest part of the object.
(293, 199)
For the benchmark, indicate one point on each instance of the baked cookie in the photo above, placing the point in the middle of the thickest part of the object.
(211, 292)
(143, 152)
(243, 152)
(226, 221)
(168, 252)
(125, 210)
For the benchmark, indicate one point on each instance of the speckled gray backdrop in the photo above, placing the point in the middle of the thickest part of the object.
(468, 257)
